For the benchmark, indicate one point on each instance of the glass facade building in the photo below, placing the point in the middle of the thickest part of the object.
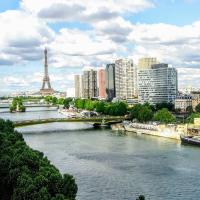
(110, 81)
(158, 84)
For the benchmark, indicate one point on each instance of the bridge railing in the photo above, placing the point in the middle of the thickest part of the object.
(51, 120)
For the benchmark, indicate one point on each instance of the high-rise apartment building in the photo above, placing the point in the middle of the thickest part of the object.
(158, 84)
(145, 63)
(125, 79)
(90, 83)
(78, 86)
(110, 81)
(102, 83)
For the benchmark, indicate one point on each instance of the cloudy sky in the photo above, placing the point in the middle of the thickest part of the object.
(81, 33)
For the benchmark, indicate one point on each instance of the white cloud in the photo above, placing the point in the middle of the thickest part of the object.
(75, 48)
(25, 32)
(189, 77)
(84, 10)
(79, 43)
(116, 29)
(22, 37)
(178, 45)
(13, 81)
(60, 81)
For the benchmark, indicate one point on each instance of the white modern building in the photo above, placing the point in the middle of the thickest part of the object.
(157, 84)
(78, 86)
(125, 79)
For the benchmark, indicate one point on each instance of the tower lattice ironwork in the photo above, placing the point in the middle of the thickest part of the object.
(46, 80)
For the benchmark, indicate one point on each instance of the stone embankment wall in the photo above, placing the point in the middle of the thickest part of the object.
(168, 131)
(118, 127)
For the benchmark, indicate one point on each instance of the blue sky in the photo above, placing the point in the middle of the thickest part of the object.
(177, 12)
(93, 33)
(8, 5)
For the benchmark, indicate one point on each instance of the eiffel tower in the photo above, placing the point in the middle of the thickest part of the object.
(46, 80)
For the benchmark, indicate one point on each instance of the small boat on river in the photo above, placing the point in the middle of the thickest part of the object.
(192, 140)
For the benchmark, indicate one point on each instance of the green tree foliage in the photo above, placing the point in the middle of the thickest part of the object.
(89, 104)
(66, 102)
(115, 109)
(189, 109)
(160, 106)
(145, 114)
(119, 108)
(58, 101)
(141, 197)
(17, 105)
(164, 116)
(48, 99)
(61, 101)
(142, 113)
(197, 108)
(190, 119)
(134, 112)
(26, 174)
(80, 103)
(54, 100)
(100, 106)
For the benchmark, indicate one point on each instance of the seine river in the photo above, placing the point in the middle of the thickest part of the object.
(112, 166)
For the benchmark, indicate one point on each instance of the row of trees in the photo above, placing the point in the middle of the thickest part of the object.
(17, 105)
(144, 113)
(26, 174)
(160, 106)
(58, 101)
(107, 108)
(161, 112)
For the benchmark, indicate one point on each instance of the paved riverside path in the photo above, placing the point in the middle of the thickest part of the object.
(107, 120)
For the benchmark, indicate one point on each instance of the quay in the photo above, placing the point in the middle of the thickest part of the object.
(172, 131)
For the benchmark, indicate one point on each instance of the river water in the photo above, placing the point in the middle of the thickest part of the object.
(113, 166)
(31, 113)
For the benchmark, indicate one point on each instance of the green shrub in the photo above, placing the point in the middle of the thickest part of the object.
(164, 116)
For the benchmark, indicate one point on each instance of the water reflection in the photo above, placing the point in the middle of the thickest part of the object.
(112, 166)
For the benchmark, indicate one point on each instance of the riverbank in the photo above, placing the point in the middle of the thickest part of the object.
(167, 131)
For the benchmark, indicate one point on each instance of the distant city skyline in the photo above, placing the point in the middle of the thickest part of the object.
(86, 33)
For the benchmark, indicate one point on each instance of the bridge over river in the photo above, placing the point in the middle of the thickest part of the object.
(32, 106)
(95, 121)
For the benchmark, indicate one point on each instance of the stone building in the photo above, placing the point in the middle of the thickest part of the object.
(182, 102)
